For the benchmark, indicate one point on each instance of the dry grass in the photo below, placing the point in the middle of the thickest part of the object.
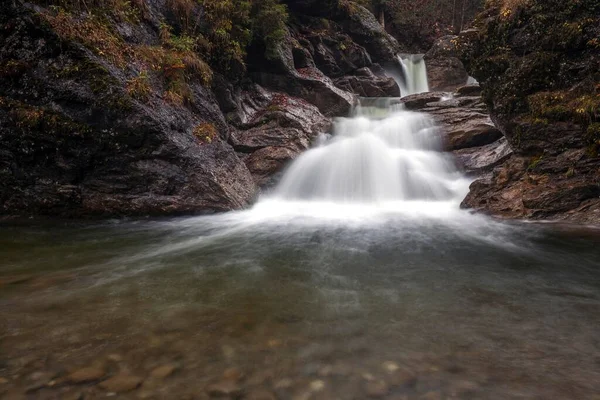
(91, 33)
(206, 132)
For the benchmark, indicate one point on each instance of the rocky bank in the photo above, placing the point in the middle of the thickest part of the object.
(538, 63)
(110, 113)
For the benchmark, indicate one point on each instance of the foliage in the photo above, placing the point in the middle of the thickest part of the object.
(139, 87)
(206, 132)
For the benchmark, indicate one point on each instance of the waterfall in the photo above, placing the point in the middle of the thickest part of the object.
(414, 74)
(381, 154)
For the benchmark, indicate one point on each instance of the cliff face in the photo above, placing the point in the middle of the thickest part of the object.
(539, 64)
(113, 109)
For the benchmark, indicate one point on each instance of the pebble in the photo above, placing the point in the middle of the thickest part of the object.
(284, 383)
(121, 383)
(402, 378)
(87, 374)
(114, 357)
(376, 388)
(317, 386)
(163, 371)
(234, 374)
(390, 366)
(224, 388)
(260, 394)
(3, 381)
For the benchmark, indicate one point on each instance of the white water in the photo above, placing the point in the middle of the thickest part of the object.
(414, 71)
(384, 159)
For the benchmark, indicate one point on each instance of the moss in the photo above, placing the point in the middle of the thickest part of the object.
(565, 106)
(206, 132)
(26, 119)
(534, 162)
(593, 139)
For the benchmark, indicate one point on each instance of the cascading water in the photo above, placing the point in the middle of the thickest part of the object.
(414, 71)
(382, 155)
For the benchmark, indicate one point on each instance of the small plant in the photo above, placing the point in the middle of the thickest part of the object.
(139, 87)
(206, 132)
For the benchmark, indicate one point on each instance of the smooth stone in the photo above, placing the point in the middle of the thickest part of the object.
(114, 357)
(163, 371)
(377, 388)
(284, 383)
(260, 394)
(87, 374)
(317, 386)
(234, 374)
(3, 381)
(224, 388)
(390, 366)
(121, 383)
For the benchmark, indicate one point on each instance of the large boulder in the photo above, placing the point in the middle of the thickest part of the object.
(445, 71)
(538, 63)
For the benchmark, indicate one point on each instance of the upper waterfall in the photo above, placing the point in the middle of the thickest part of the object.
(415, 74)
(381, 154)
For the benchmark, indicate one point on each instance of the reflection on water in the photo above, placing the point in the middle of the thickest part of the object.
(346, 303)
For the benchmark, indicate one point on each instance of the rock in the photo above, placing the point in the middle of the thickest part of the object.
(431, 396)
(225, 388)
(317, 386)
(469, 90)
(3, 381)
(445, 71)
(260, 394)
(472, 133)
(164, 371)
(95, 149)
(120, 383)
(390, 366)
(233, 374)
(420, 100)
(85, 375)
(479, 160)
(532, 95)
(364, 83)
(376, 388)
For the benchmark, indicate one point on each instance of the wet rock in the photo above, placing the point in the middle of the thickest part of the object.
(233, 374)
(469, 90)
(164, 371)
(420, 100)
(224, 389)
(402, 378)
(472, 133)
(479, 160)
(85, 375)
(109, 153)
(376, 388)
(366, 84)
(390, 366)
(431, 396)
(317, 386)
(120, 383)
(445, 71)
(260, 394)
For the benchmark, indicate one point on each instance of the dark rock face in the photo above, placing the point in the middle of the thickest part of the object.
(445, 71)
(541, 83)
(70, 147)
(84, 132)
